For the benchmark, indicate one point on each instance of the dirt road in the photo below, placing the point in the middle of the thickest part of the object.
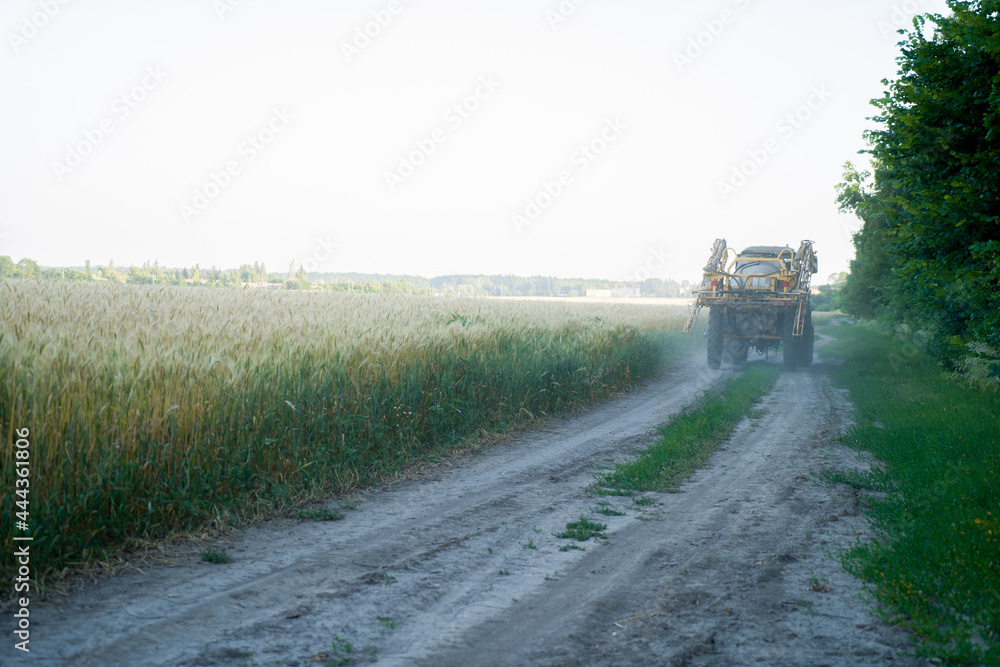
(461, 566)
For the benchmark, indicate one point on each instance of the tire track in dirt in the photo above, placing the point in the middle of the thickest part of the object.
(726, 574)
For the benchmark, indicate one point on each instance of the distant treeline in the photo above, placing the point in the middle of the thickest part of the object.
(257, 275)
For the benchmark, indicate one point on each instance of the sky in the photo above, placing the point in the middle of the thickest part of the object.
(573, 138)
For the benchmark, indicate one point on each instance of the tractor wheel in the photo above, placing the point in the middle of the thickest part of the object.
(715, 333)
(804, 348)
(736, 349)
(788, 344)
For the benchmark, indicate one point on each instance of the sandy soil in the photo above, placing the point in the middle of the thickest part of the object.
(461, 566)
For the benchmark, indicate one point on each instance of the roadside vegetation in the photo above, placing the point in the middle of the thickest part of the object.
(690, 438)
(935, 561)
(928, 253)
(830, 297)
(159, 409)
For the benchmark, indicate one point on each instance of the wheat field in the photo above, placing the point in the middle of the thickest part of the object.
(155, 409)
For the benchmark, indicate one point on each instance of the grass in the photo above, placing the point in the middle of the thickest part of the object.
(582, 530)
(691, 437)
(604, 508)
(220, 557)
(821, 319)
(319, 514)
(332, 657)
(158, 410)
(935, 561)
(818, 584)
(338, 645)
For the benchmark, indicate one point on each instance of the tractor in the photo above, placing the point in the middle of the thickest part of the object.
(757, 299)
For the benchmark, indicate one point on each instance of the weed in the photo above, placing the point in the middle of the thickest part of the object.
(643, 501)
(603, 507)
(574, 547)
(338, 645)
(504, 572)
(582, 530)
(388, 622)
(319, 514)
(530, 544)
(210, 555)
(818, 584)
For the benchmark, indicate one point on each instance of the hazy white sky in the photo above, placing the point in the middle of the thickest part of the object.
(577, 138)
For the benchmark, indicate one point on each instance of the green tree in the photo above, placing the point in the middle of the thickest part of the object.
(929, 250)
(864, 291)
(28, 268)
(109, 273)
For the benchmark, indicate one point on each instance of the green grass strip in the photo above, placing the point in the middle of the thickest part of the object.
(691, 437)
(935, 562)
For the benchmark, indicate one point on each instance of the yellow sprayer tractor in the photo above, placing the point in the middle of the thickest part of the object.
(757, 299)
